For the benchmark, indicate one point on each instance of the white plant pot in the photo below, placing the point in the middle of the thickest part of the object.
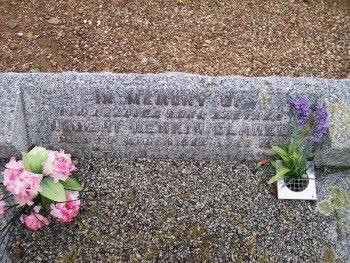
(309, 193)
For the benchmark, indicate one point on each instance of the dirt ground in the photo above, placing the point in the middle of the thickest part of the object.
(223, 37)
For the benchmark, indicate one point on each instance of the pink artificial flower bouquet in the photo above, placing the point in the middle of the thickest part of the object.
(41, 182)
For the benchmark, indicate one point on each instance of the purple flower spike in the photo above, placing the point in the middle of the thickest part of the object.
(320, 127)
(301, 109)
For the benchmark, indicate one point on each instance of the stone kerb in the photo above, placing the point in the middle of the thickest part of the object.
(174, 115)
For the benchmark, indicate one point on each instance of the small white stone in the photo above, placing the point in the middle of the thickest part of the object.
(144, 60)
(20, 34)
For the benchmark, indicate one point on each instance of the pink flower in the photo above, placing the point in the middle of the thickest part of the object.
(3, 206)
(35, 220)
(14, 169)
(64, 212)
(22, 184)
(12, 164)
(58, 165)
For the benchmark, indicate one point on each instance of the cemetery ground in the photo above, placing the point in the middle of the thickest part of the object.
(245, 37)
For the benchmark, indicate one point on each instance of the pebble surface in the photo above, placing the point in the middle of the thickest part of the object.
(217, 37)
(147, 210)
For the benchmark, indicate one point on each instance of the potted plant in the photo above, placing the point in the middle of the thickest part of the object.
(294, 171)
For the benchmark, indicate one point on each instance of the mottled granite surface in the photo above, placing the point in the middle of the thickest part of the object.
(170, 115)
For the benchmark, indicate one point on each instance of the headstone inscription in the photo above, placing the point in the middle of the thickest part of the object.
(173, 115)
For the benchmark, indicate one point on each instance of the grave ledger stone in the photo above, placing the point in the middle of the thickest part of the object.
(174, 115)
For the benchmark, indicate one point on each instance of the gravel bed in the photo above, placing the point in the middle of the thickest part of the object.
(211, 37)
(178, 211)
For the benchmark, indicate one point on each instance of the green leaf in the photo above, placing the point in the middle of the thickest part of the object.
(297, 160)
(32, 161)
(272, 180)
(281, 171)
(304, 176)
(37, 150)
(45, 202)
(53, 191)
(280, 151)
(277, 157)
(71, 184)
(287, 160)
(303, 134)
(284, 148)
(290, 147)
(15, 201)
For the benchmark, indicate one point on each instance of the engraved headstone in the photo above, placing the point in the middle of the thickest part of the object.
(173, 115)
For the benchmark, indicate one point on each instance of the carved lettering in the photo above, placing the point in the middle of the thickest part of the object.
(277, 130)
(150, 113)
(87, 126)
(254, 116)
(107, 113)
(151, 121)
(247, 144)
(162, 100)
(231, 129)
(72, 139)
(181, 114)
(218, 129)
(179, 129)
(175, 100)
(201, 115)
(237, 115)
(133, 99)
(187, 101)
(147, 99)
(167, 128)
(104, 98)
(96, 113)
(229, 100)
(257, 129)
(265, 144)
(200, 100)
(244, 130)
(197, 142)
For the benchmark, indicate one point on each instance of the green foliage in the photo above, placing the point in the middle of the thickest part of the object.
(71, 184)
(45, 202)
(291, 164)
(281, 171)
(303, 134)
(52, 190)
(32, 161)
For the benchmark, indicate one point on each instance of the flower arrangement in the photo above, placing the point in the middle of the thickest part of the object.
(309, 126)
(41, 188)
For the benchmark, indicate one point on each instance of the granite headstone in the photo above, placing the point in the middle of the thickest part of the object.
(173, 115)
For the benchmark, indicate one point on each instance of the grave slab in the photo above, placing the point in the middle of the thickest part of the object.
(172, 115)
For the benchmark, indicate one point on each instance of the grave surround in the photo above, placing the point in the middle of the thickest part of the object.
(168, 115)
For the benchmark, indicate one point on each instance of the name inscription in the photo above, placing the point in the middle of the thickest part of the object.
(167, 121)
